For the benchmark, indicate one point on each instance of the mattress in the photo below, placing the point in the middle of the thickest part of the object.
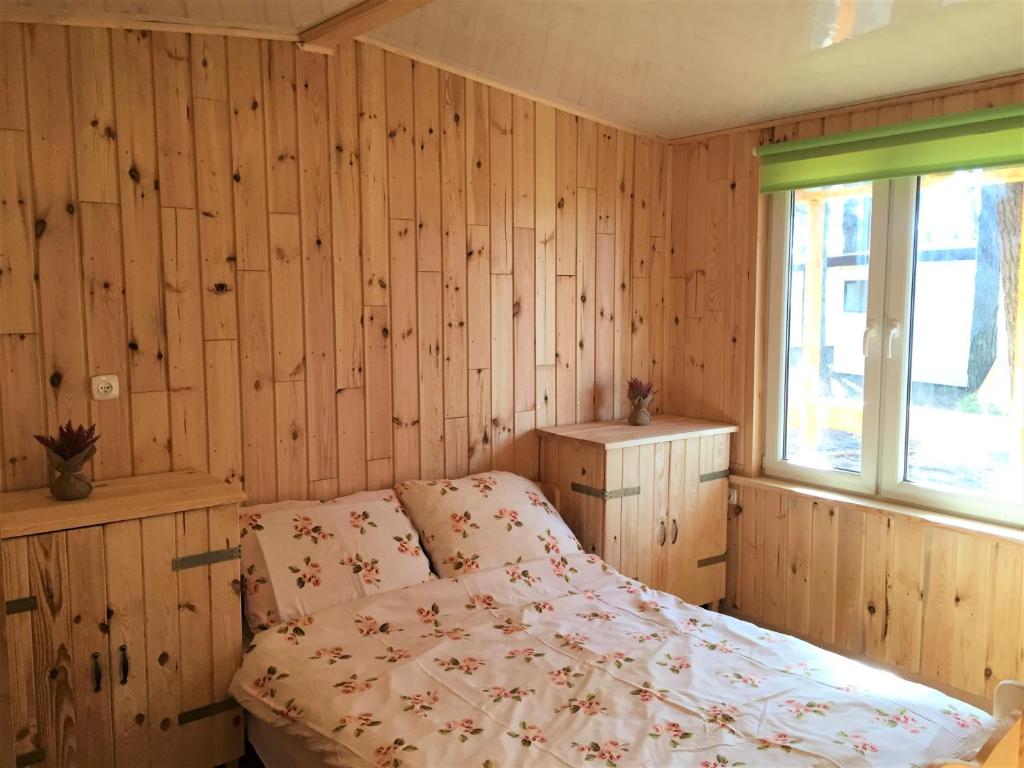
(552, 663)
(279, 749)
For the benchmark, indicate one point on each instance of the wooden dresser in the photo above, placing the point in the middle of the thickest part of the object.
(123, 624)
(652, 501)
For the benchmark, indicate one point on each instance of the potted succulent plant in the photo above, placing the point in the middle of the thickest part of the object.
(68, 452)
(640, 395)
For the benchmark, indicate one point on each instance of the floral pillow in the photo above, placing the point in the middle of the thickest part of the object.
(485, 521)
(299, 557)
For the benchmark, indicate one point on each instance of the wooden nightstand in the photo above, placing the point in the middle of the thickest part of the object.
(123, 623)
(651, 501)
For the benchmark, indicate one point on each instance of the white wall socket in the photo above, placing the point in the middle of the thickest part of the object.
(105, 387)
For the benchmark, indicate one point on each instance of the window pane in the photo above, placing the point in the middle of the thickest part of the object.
(965, 422)
(827, 299)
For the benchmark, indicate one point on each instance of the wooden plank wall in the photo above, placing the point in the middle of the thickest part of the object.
(920, 598)
(314, 274)
(943, 605)
(714, 345)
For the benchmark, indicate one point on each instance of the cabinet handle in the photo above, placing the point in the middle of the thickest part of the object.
(124, 664)
(675, 530)
(97, 673)
(661, 533)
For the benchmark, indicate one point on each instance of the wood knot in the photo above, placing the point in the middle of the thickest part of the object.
(163, 658)
(133, 174)
(871, 608)
(40, 227)
(56, 378)
(140, 718)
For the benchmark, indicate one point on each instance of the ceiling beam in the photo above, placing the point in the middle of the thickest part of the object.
(358, 20)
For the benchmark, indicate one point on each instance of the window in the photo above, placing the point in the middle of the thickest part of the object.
(855, 296)
(896, 340)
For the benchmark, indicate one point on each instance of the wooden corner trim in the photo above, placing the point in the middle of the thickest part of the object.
(358, 20)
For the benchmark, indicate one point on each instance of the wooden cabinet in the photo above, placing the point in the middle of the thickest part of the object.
(123, 624)
(652, 501)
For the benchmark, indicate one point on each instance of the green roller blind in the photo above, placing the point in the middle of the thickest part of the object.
(984, 139)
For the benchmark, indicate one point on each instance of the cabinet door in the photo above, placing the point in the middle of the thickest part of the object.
(661, 517)
(681, 549)
(27, 736)
(91, 677)
(193, 635)
(630, 531)
(650, 525)
(711, 519)
(6, 713)
(39, 649)
(123, 548)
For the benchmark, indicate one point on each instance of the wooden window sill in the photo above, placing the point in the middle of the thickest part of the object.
(869, 504)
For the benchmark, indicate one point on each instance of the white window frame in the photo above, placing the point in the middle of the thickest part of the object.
(895, 375)
(886, 346)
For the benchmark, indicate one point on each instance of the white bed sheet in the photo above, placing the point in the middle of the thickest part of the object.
(571, 663)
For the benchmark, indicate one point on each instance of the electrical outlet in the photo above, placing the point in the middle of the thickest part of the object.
(105, 387)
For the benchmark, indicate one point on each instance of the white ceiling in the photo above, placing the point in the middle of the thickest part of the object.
(674, 68)
(669, 68)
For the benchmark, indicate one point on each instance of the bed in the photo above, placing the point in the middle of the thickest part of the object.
(564, 661)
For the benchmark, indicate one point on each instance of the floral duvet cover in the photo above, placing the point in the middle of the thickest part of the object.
(564, 661)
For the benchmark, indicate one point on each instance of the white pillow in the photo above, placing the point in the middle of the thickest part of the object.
(299, 557)
(486, 520)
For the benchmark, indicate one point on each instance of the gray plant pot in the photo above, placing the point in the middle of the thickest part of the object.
(640, 416)
(69, 484)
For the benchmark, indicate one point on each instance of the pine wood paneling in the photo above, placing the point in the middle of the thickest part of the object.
(935, 603)
(713, 223)
(915, 596)
(312, 274)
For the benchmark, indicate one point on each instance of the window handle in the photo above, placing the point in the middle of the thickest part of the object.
(869, 331)
(891, 333)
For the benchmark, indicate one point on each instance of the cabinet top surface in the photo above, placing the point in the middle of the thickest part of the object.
(619, 434)
(23, 513)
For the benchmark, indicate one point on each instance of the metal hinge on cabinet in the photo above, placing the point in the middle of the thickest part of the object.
(713, 560)
(207, 710)
(601, 493)
(206, 558)
(20, 605)
(709, 476)
(30, 758)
